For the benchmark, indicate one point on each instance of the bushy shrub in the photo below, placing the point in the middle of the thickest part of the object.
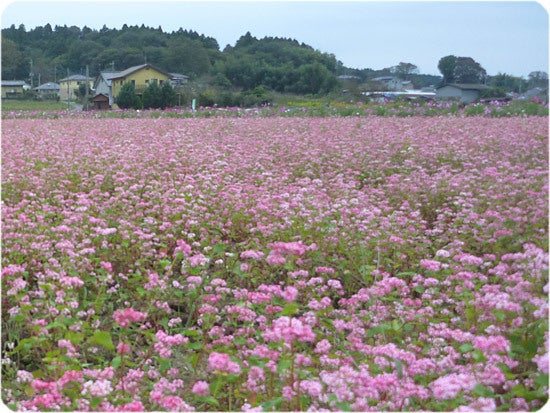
(127, 98)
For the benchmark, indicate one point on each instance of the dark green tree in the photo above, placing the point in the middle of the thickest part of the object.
(536, 79)
(127, 98)
(168, 97)
(152, 98)
(404, 70)
(14, 65)
(447, 66)
(467, 70)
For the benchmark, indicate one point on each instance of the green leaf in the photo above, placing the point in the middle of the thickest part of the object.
(216, 385)
(116, 362)
(499, 315)
(399, 367)
(164, 364)
(219, 248)
(283, 365)
(343, 406)
(195, 346)
(290, 309)
(102, 338)
(74, 337)
(95, 402)
(273, 404)
(210, 400)
(419, 289)
(542, 379)
(464, 348)
(483, 391)
(478, 356)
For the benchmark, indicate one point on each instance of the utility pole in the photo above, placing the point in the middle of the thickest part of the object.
(32, 75)
(87, 86)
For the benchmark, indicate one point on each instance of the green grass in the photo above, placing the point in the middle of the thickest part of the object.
(8, 105)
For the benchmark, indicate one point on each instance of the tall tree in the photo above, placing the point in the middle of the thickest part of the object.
(536, 79)
(467, 70)
(404, 70)
(447, 66)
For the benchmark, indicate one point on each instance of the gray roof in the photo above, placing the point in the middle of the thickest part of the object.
(133, 69)
(178, 76)
(466, 86)
(75, 77)
(384, 78)
(13, 83)
(107, 76)
(48, 86)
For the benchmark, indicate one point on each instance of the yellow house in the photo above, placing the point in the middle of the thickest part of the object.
(140, 76)
(68, 87)
(13, 88)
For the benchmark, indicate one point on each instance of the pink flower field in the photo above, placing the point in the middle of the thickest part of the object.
(249, 264)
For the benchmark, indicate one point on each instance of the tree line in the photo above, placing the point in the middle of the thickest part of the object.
(252, 66)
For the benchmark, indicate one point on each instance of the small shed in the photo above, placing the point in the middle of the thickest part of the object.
(101, 102)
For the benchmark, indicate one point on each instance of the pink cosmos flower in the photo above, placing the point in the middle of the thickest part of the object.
(98, 388)
(311, 387)
(255, 255)
(447, 387)
(491, 344)
(430, 265)
(183, 247)
(127, 316)
(130, 407)
(542, 362)
(289, 329)
(107, 266)
(71, 351)
(275, 258)
(221, 362)
(123, 348)
(197, 259)
(175, 403)
(323, 346)
(201, 388)
(289, 248)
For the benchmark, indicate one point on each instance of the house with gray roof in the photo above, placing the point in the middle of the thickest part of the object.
(13, 88)
(49, 90)
(69, 86)
(465, 92)
(102, 85)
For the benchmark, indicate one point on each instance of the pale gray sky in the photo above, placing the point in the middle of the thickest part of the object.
(509, 37)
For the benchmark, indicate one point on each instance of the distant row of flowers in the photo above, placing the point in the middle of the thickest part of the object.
(315, 108)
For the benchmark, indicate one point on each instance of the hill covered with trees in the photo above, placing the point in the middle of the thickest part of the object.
(276, 63)
(47, 54)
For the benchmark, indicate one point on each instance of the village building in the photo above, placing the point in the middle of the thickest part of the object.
(49, 90)
(102, 86)
(465, 92)
(140, 76)
(69, 87)
(101, 102)
(13, 88)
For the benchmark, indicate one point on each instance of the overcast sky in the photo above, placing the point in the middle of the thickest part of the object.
(508, 37)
